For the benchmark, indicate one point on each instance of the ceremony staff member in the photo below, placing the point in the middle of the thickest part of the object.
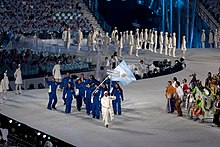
(107, 109)
(18, 79)
(52, 92)
(70, 93)
(118, 93)
(56, 72)
(170, 94)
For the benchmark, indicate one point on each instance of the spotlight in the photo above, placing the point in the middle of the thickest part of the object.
(38, 134)
(19, 125)
(48, 137)
(10, 121)
(44, 136)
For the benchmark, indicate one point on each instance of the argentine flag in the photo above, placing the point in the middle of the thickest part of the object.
(122, 74)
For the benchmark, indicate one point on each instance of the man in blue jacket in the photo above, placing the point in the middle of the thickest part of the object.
(80, 93)
(64, 84)
(96, 102)
(88, 95)
(52, 92)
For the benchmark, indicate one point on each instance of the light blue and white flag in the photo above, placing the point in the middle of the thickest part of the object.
(122, 74)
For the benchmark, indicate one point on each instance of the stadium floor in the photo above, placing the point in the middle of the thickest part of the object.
(144, 121)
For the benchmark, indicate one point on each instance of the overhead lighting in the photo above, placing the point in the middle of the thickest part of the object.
(108, 0)
(38, 133)
(44, 136)
(10, 121)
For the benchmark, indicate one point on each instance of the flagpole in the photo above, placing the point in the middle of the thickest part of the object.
(100, 84)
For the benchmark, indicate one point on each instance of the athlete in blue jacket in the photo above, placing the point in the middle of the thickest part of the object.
(65, 81)
(52, 92)
(80, 93)
(88, 95)
(70, 93)
(96, 103)
(118, 93)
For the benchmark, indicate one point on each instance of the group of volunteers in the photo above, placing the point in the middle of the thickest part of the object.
(200, 101)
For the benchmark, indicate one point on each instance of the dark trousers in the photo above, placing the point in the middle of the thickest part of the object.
(177, 106)
(117, 106)
(216, 118)
(64, 94)
(79, 102)
(88, 105)
(52, 98)
(95, 109)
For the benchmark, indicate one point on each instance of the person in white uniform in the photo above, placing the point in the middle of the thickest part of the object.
(170, 45)
(174, 44)
(107, 41)
(18, 80)
(120, 44)
(56, 72)
(203, 38)
(155, 42)
(145, 39)
(5, 84)
(79, 39)
(107, 108)
(183, 46)
(161, 42)
(210, 38)
(216, 38)
(137, 44)
(131, 42)
(166, 42)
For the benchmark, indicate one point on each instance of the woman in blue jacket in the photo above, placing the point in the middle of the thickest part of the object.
(70, 93)
(118, 93)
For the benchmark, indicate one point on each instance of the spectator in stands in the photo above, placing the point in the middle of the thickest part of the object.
(18, 79)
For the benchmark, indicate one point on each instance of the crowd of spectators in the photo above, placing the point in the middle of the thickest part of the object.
(35, 63)
(200, 100)
(213, 7)
(28, 16)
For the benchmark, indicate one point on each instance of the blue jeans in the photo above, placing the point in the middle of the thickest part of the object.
(68, 106)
